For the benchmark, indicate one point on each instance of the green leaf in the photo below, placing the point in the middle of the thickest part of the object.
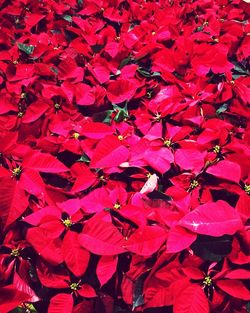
(147, 73)
(199, 29)
(222, 108)
(29, 307)
(248, 307)
(67, 18)
(239, 70)
(155, 74)
(138, 291)
(28, 49)
(125, 62)
(143, 72)
(84, 158)
(56, 31)
(122, 113)
(212, 249)
(104, 116)
(53, 69)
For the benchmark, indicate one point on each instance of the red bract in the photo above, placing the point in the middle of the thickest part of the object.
(121, 90)
(109, 152)
(214, 219)
(124, 156)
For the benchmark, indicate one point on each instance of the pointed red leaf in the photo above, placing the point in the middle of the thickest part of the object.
(61, 303)
(159, 296)
(44, 162)
(109, 152)
(106, 267)
(52, 277)
(32, 182)
(146, 240)
(85, 306)
(159, 159)
(87, 291)
(121, 90)
(234, 288)
(189, 159)
(22, 286)
(100, 71)
(84, 177)
(238, 274)
(101, 237)
(7, 140)
(84, 94)
(96, 130)
(42, 216)
(75, 256)
(13, 200)
(179, 239)
(96, 201)
(226, 170)
(213, 219)
(34, 111)
(10, 298)
(48, 248)
(193, 272)
(192, 299)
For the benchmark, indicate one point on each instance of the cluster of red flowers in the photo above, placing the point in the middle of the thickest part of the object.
(124, 156)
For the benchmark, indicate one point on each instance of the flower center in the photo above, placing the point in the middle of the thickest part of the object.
(57, 106)
(149, 94)
(16, 171)
(15, 252)
(102, 178)
(117, 206)
(67, 222)
(76, 135)
(23, 95)
(194, 184)
(167, 143)
(158, 117)
(20, 114)
(74, 286)
(216, 149)
(207, 281)
(120, 137)
(247, 189)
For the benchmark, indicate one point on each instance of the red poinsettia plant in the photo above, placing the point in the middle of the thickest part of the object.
(124, 156)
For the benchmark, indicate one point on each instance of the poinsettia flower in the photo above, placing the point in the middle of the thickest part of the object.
(24, 177)
(124, 143)
(225, 280)
(64, 302)
(11, 297)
